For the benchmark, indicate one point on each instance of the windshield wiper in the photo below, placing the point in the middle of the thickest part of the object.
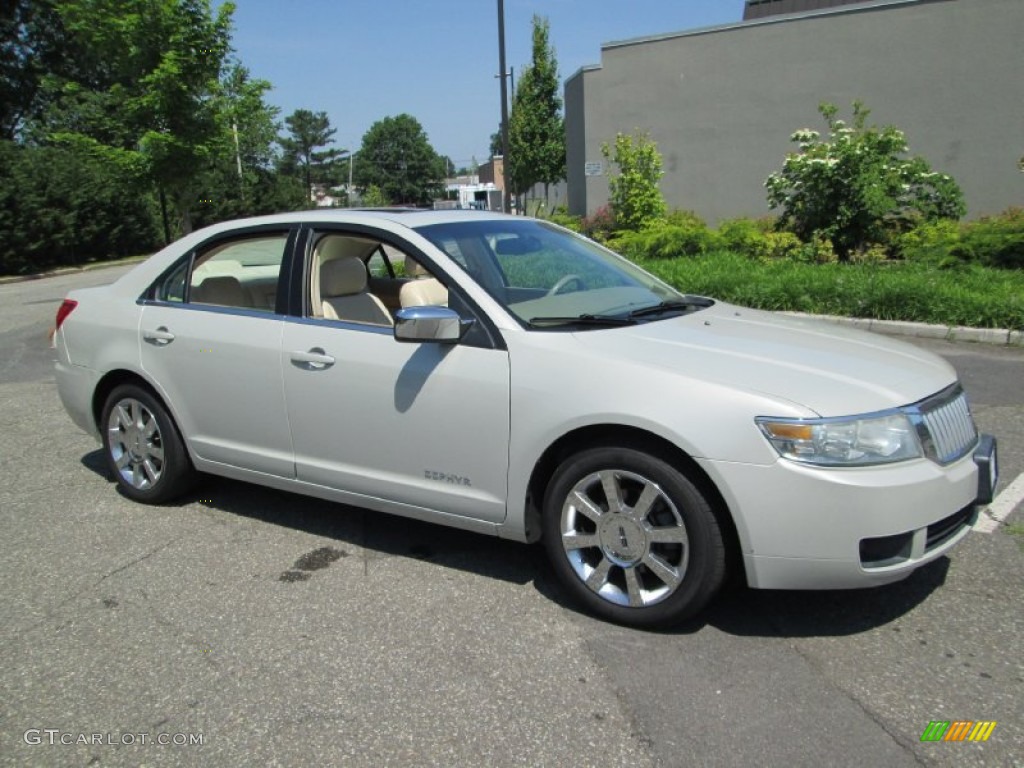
(596, 320)
(676, 305)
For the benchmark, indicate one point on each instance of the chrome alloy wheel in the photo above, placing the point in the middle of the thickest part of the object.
(624, 538)
(135, 444)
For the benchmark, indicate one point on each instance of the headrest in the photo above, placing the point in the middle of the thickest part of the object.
(414, 268)
(221, 289)
(342, 277)
(332, 247)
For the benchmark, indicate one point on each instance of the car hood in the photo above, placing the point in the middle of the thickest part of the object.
(826, 368)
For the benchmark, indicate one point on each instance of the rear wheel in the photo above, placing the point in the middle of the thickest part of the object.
(143, 448)
(632, 538)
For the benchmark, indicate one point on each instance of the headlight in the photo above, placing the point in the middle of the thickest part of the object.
(844, 442)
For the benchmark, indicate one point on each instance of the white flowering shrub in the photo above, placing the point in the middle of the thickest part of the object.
(857, 187)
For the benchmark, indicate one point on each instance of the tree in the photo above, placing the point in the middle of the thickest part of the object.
(496, 148)
(634, 196)
(142, 90)
(857, 187)
(396, 157)
(536, 129)
(309, 130)
(241, 178)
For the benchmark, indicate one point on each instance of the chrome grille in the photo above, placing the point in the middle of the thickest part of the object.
(946, 426)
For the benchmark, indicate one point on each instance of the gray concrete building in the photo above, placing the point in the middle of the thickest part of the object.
(722, 102)
(756, 9)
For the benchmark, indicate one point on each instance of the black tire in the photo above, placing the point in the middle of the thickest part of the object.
(656, 556)
(143, 447)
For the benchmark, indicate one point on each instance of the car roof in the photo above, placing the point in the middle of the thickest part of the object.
(406, 217)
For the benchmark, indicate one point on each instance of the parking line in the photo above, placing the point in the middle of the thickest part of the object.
(996, 513)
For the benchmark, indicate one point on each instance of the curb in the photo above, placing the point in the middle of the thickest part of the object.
(70, 270)
(1000, 336)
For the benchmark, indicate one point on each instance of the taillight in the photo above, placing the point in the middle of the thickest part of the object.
(63, 311)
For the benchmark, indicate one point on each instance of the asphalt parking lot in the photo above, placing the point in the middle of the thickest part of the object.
(244, 626)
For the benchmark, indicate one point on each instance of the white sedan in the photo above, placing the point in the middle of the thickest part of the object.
(503, 375)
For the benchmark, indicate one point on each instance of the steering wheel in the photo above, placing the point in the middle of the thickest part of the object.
(566, 280)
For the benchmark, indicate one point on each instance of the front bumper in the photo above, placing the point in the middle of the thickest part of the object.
(804, 527)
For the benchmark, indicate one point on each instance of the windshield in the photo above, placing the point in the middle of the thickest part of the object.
(549, 277)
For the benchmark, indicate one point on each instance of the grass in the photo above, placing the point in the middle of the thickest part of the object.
(1017, 529)
(972, 296)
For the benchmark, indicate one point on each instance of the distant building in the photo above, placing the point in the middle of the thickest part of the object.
(722, 102)
(471, 191)
(493, 172)
(327, 197)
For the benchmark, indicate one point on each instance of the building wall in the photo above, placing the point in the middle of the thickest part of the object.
(756, 9)
(721, 103)
(493, 172)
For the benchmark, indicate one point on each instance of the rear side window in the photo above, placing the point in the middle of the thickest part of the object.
(243, 272)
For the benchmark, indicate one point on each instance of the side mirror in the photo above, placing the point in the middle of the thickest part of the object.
(439, 325)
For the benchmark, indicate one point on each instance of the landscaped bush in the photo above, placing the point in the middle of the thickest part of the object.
(745, 236)
(782, 245)
(600, 226)
(633, 191)
(857, 187)
(563, 218)
(681, 234)
(995, 241)
(930, 243)
(979, 296)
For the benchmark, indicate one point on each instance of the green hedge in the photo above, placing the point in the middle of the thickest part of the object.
(62, 206)
(992, 241)
(969, 295)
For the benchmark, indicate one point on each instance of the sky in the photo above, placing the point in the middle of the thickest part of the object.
(362, 60)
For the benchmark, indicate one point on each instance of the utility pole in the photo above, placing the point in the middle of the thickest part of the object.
(238, 159)
(504, 104)
(348, 190)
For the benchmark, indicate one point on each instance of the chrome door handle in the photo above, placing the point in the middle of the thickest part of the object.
(161, 337)
(313, 360)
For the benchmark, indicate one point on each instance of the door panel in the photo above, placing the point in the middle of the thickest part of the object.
(420, 424)
(221, 374)
(212, 343)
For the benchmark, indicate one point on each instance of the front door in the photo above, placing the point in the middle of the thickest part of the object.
(419, 424)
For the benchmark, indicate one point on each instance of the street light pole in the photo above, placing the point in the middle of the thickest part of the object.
(504, 104)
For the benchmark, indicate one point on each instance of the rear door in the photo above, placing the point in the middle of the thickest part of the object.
(210, 339)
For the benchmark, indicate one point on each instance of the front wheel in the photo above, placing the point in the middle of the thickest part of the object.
(632, 538)
(143, 448)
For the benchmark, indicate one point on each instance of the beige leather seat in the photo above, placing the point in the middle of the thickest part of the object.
(223, 290)
(423, 290)
(343, 292)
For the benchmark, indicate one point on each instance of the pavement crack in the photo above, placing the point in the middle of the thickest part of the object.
(126, 566)
(50, 613)
(873, 716)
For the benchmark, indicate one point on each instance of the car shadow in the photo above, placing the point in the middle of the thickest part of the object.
(737, 611)
(741, 611)
(381, 534)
